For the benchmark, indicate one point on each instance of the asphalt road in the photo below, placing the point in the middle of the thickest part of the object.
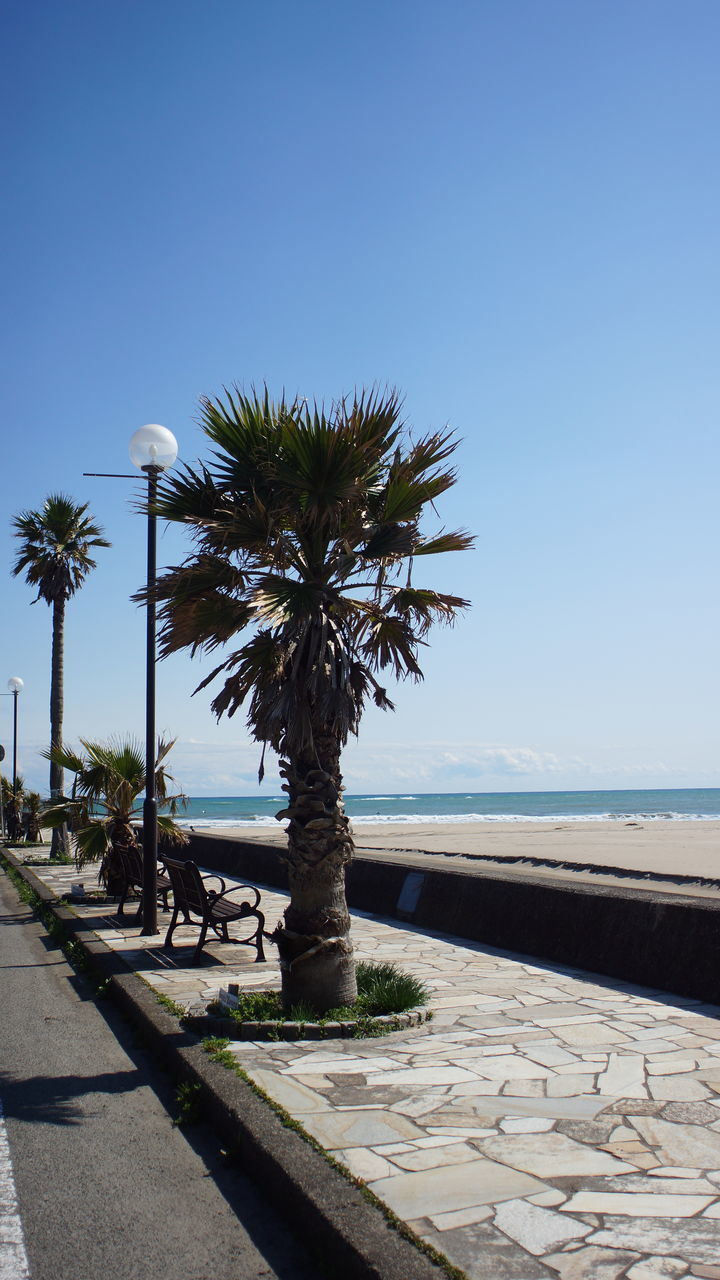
(108, 1187)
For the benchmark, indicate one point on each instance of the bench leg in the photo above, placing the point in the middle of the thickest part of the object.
(201, 942)
(169, 934)
(259, 938)
(165, 906)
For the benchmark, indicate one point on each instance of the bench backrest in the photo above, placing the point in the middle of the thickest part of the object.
(132, 864)
(188, 888)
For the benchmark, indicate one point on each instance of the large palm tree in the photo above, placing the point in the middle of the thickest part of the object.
(103, 806)
(306, 524)
(55, 557)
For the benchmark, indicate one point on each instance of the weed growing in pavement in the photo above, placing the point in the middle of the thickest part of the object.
(63, 861)
(171, 1006)
(189, 1100)
(216, 1047)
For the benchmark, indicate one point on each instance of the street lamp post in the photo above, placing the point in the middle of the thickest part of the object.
(15, 684)
(152, 449)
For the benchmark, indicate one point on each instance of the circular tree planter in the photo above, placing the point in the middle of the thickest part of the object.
(211, 1024)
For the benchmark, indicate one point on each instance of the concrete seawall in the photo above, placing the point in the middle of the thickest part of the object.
(656, 939)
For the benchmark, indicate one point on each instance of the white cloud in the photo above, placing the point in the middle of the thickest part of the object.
(441, 766)
(513, 760)
(445, 766)
(215, 767)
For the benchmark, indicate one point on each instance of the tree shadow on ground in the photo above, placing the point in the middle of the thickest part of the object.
(55, 1099)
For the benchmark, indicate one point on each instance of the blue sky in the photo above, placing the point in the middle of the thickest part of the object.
(507, 209)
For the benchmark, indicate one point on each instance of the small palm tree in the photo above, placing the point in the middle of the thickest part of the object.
(109, 778)
(31, 817)
(54, 556)
(13, 797)
(5, 790)
(306, 527)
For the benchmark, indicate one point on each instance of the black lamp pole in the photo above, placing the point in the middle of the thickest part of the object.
(15, 684)
(157, 443)
(150, 841)
(15, 693)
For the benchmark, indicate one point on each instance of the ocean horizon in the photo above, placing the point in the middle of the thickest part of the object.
(673, 804)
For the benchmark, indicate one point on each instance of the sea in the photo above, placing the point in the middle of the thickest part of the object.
(694, 804)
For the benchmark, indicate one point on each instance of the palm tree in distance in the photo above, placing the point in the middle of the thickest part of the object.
(13, 798)
(103, 806)
(54, 556)
(306, 524)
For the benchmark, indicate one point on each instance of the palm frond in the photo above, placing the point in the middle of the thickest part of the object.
(458, 540)
(170, 831)
(64, 757)
(258, 665)
(246, 429)
(201, 604)
(431, 450)
(389, 541)
(186, 496)
(392, 642)
(422, 608)
(280, 600)
(58, 815)
(92, 843)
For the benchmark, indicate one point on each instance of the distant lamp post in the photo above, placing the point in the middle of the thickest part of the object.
(15, 684)
(152, 449)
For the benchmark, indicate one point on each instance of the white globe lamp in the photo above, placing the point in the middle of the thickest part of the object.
(153, 446)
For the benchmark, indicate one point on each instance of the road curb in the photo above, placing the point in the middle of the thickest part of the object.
(348, 1234)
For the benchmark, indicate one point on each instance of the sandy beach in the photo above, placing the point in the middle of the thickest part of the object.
(664, 854)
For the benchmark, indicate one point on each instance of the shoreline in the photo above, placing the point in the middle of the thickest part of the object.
(669, 853)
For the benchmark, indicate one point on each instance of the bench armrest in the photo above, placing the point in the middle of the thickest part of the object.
(237, 888)
(214, 893)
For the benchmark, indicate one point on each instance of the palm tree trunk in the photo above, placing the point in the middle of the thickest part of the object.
(60, 846)
(316, 955)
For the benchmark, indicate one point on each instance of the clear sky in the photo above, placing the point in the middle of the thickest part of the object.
(510, 210)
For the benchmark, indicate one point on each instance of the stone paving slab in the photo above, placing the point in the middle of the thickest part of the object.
(545, 1123)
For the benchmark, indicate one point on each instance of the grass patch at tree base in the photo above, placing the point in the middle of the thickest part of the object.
(388, 1000)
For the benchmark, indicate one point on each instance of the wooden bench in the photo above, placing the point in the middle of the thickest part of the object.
(132, 872)
(191, 897)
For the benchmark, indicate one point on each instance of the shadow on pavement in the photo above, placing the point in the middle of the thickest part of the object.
(51, 1098)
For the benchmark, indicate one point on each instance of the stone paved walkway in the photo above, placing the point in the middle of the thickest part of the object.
(545, 1123)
